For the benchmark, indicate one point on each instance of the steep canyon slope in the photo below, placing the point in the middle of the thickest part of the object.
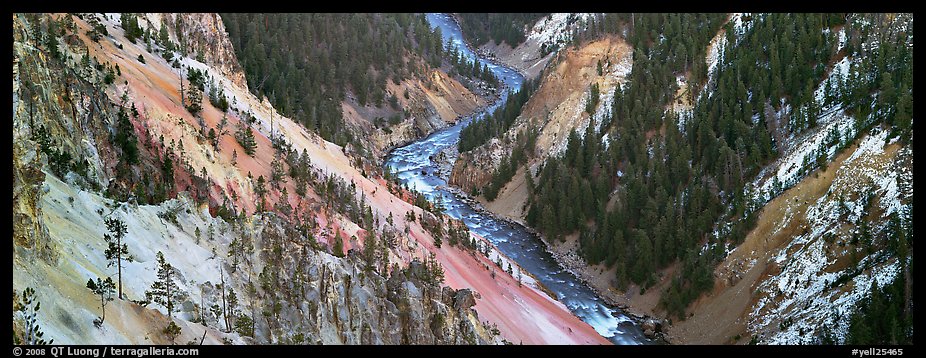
(315, 246)
(814, 230)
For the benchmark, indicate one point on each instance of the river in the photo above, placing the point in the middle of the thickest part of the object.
(409, 163)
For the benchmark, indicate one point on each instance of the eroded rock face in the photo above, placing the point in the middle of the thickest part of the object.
(28, 230)
(556, 108)
(204, 33)
(336, 301)
(426, 104)
(473, 169)
(464, 299)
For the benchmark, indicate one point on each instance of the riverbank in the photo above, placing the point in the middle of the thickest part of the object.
(419, 164)
(490, 54)
(640, 307)
(597, 277)
(490, 99)
(600, 279)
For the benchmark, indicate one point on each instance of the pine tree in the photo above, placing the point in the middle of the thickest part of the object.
(338, 249)
(592, 101)
(125, 137)
(435, 270)
(116, 248)
(168, 169)
(903, 118)
(164, 38)
(213, 139)
(644, 260)
(224, 309)
(104, 289)
(260, 188)
(370, 251)
(246, 138)
(232, 311)
(277, 173)
(194, 100)
(165, 291)
(28, 308)
(130, 25)
(886, 98)
(173, 331)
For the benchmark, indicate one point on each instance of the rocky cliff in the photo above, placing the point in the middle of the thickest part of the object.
(203, 35)
(556, 108)
(433, 102)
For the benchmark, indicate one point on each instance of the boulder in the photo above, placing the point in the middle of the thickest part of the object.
(464, 299)
(649, 333)
(446, 295)
(650, 327)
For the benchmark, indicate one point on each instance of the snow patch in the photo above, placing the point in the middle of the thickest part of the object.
(715, 53)
(556, 28)
(804, 291)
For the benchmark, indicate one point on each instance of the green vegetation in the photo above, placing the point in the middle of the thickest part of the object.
(305, 63)
(648, 226)
(27, 306)
(172, 331)
(244, 325)
(245, 138)
(653, 196)
(480, 28)
(125, 138)
(105, 289)
(165, 291)
(478, 132)
(97, 29)
(59, 160)
(116, 248)
(217, 96)
(593, 97)
(884, 317)
(130, 25)
(523, 148)
(460, 65)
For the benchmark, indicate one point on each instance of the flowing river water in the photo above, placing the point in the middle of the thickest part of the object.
(415, 168)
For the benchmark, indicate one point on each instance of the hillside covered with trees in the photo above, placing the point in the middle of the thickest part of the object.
(306, 63)
(480, 28)
(652, 197)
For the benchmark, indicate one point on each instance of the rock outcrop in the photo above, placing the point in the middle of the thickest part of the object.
(556, 108)
(334, 300)
(203, 34)
(474, 169)
(425, 104)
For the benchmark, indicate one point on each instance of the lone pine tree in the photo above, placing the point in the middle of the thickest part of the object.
(116, 248)
(104, 289)
(164, 291)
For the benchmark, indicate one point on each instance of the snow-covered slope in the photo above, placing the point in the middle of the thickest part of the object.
(543, 40)
(810, 289)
